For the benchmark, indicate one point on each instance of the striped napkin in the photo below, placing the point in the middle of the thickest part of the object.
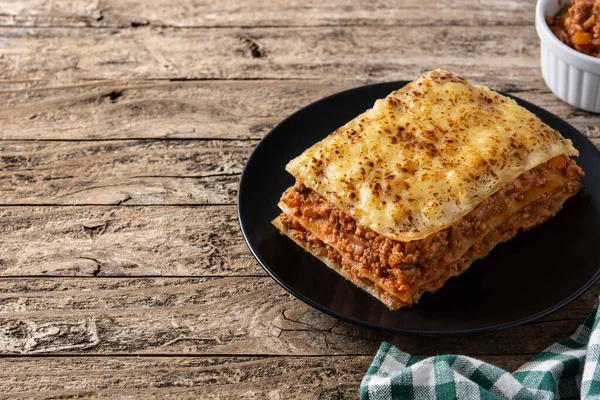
(566, 370)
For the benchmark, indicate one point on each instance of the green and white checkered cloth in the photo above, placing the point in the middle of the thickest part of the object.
(566, 370)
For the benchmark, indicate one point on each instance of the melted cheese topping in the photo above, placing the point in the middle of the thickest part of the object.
(426, 155)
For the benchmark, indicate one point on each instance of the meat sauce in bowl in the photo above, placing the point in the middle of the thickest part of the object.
(578, 26)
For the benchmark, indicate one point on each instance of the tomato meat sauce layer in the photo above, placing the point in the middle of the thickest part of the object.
(400, 264)
(578, 26)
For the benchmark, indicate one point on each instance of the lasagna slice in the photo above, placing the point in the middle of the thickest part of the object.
(411, 192)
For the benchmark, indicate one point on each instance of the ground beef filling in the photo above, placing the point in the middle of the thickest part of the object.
(431, 276)
(316, 246)
(578, 26)
(370, 248)
(536, 213)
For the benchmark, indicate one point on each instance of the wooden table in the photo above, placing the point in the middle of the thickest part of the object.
(124, 126)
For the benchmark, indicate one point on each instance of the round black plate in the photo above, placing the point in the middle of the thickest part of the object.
(526, 278)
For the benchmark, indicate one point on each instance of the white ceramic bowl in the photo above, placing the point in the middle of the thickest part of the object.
(573, 76)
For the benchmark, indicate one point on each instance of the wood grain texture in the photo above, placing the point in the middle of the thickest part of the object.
(123, 241)
(138, 109)
(183, 377)
(148, 110)
(190, 377)
(220, 316)
(365, 53)
(121, 172)
(195, 110)
(128, 13)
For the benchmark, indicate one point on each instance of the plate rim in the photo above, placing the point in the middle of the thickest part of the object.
(411, 332)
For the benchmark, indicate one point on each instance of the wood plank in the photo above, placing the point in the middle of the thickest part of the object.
(183, 377)
(362, 53)
(137, 109)
(119, 172)
(123, 241)
(191, 377)
(194, 110)
(127, 13)
(220, 316)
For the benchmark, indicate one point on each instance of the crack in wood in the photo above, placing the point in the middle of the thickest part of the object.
(232, 79)
(96, 271)
(94, 230)
(134, 277)
(84, 205)
(252, 45)
(310, 327)
(127, 198)
(304, 327)
(139, 23)
(209, 175)
(87, 189)
(327, 344)
(56, 178)
(333, 327)
(114, 95)
(100, 22)
(203, 355)
(140, 139)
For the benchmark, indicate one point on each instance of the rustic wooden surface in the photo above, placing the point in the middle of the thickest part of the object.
(124, 126)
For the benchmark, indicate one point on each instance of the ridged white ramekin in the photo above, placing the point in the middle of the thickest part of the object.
(573, 76)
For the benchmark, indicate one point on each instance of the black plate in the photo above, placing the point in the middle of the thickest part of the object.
(526, 278)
